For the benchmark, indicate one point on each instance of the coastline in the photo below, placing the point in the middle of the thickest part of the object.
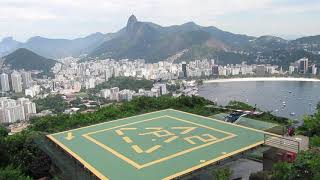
(253, 79)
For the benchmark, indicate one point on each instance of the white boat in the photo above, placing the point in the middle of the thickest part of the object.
(292, 114)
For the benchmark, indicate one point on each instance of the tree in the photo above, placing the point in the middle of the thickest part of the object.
(26, 155)
(124, 83)
(221, 174)
(311, 124)
(56, 103)
(10, 172)
(306, 167)
(315, 141)
(281, 171)
(3, 131)
(4, 156)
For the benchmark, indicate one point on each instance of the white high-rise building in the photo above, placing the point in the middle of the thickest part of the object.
(90, 83)
(32, 91)
(12, 110)
(105, 93)
(314, 69)
(14, 113)
(126, 95)
(114, 94)
(162, 87)
(16, 82)
(29, 109)
(4, 82)
(291, 69)
(26, 79)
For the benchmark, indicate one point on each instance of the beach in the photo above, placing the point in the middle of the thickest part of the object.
(252, 79)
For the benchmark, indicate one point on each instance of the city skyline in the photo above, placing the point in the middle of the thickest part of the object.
(78, 19)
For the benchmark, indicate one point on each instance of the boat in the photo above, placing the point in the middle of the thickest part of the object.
(292, 114)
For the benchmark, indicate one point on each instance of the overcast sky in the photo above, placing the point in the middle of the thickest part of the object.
(23, 19)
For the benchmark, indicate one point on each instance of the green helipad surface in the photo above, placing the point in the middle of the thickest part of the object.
(158, 145)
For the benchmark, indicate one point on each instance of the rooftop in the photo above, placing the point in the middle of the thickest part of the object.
(159, 145)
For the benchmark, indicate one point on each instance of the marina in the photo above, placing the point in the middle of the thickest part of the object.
(291, 99)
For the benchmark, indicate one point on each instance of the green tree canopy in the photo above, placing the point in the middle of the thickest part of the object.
(221, 174)
(3, 131)
(10, 172)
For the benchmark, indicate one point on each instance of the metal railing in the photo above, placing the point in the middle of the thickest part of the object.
(282, 143)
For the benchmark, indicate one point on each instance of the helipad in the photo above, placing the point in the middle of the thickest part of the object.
(158, 145)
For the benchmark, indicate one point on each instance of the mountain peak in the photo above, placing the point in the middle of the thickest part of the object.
(132, 20)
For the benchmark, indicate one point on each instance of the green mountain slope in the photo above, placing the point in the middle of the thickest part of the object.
(153, 42)
(28, 60)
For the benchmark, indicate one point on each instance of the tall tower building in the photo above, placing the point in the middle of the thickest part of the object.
(4, 78)
(16, 81)
(184, 69)
(303, 65)
(26, 80)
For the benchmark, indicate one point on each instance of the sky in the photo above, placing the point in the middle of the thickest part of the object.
(70, 19)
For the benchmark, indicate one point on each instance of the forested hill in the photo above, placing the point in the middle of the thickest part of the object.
(28, 60)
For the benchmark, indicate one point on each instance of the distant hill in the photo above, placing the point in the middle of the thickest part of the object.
(7, 45)
(153, 42)
(25, 59)
(308, 40)
(56, 48)
(185, 42)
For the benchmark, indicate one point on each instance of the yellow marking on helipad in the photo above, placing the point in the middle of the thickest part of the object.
(158, 134)
(120, 131)
(211, 138)
(153, 149)
(154, 128)
(69, 136)
(127, 139)
(186, 129)
(137, 148)
(171, 139)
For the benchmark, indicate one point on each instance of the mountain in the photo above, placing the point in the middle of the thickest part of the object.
(153, 42)
(188, 41)
(25, 59)
(58, 48)
(8, 45)
(267, 43)
(308, 40)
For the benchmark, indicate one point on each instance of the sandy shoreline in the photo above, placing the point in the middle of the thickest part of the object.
(261, 79)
